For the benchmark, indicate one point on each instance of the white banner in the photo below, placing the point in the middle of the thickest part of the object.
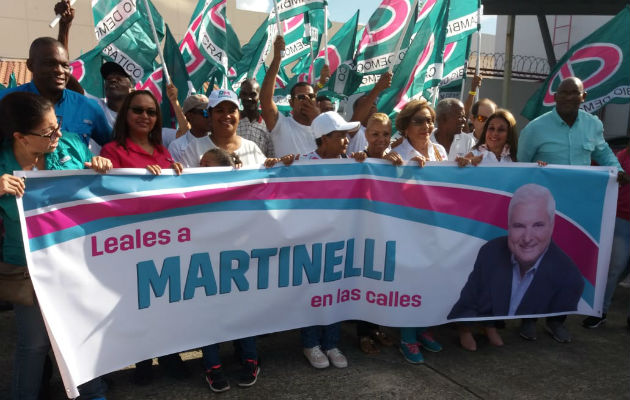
(130, 267)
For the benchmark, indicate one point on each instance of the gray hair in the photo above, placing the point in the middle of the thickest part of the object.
(445, 106)
(532, 192)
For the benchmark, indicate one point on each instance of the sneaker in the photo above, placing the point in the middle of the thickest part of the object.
(558, 332)
(594, 322)
(528, 329)
(427, 341)
(316, 357)
(249, 374)
(216, 379)
(411, 352)
(337, 358)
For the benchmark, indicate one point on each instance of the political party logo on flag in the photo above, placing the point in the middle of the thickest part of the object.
(213, 35)
(455, 58)
(291, 8)
(600, 61)
(462, 20)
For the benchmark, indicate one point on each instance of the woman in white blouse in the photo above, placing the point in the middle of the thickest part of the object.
(497, 142)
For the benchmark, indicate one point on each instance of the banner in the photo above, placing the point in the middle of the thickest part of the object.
(600, 61)
(129, 266)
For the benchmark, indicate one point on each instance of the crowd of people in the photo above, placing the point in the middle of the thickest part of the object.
(48, 126)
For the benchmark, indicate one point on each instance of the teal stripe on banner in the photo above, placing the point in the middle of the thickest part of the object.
(447, 221)
(581, 202)
(589, 292)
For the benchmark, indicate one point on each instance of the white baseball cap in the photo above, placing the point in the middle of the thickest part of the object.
(220, 95)
(331, 121)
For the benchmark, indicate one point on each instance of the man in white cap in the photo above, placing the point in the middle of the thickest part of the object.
(196, 111)
(223, 108)
(330, 131)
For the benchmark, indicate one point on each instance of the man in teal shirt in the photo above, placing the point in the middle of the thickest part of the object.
(570, 136)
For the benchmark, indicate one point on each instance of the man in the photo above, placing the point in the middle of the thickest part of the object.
(117, 85)
(324, 103)
(196, 111)
(362, 109)
(566, 134)
(290, 135)
(570, 136)
(479, 114)
(451, 118)
(252, 126)
(49, 64)
(524, 272)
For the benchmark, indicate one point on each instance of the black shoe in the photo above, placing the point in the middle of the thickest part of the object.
(594, 322)
(216, 379)
(143, 374)
(249, 374)
(174, 366)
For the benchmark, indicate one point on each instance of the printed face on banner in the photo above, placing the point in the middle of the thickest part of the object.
(529, 231)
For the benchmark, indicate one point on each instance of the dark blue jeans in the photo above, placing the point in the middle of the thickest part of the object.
(325, 336)
(245, 347)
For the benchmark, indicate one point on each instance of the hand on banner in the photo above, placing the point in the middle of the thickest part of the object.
(154, 169)
(178, 167)
(66, 11)
(286, 160)
(99, 164)
(541, 163)
(10, 184)
(394, 158)
(420, 159)
(359, 156)
(468, 159)
(623, 177)
(278, 47)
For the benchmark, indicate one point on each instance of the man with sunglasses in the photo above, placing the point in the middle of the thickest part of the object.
(49, 64)
(290, 135)
(479, 114)
(196, 111)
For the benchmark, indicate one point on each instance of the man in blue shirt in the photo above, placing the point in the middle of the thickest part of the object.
(49, 64)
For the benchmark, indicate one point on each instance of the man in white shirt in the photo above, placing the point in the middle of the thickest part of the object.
(196, 111)
(290, 135)
(451, 118)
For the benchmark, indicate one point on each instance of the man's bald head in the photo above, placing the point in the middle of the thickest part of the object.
(569, 96)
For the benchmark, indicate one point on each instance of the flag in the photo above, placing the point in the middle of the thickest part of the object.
(112, 18)
(420, 70)
(288, 9)
(455, 59)
(462, 20)
(85, 70)
(179, 77)
(213, 35)
(252, 58)
(600, 60)
(12, 81)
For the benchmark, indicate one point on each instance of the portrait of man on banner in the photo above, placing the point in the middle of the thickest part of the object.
(525, 272)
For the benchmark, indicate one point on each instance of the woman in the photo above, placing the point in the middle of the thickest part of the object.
(415, 122)
(138, 136)
(497, 142)
(32, 140)
(138, 144)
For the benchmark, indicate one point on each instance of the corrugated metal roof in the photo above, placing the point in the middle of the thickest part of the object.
(22, 74)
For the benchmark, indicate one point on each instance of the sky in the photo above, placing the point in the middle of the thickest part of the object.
(342, 10)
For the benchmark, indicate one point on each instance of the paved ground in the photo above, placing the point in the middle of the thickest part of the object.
(595, 365)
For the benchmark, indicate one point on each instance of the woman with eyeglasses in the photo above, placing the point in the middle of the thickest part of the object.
(138, 136)
(32, 140)
(415, 123)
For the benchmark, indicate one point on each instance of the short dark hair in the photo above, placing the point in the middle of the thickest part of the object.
(322, 98)
(297, 85)
(22, 112)
(121, 129)
(44, 41)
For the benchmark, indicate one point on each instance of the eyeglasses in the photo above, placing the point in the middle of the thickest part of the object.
(203, 113)
(481, 118)
(303, 96)
(50, 134)
(151, 112)
(420, 121)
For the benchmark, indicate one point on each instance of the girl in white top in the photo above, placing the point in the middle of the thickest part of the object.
(497, 142)
(415, 122)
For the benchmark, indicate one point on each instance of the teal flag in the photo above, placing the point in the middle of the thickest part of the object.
(455, 58)
(179, 76)
(462, 20)
(86, 69)
(291, 8)
(600, 60)
(12, 81)
(114, 17)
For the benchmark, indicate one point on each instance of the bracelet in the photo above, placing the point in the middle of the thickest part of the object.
(472, 93)
(320, 85)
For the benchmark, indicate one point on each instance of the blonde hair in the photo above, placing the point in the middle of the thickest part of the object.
(380, 117)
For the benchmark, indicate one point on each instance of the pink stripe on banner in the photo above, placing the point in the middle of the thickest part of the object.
(489, 208)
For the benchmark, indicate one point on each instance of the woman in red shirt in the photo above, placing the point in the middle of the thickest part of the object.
(138, 136)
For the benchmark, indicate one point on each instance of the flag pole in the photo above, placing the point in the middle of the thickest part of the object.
(402, 34)
(278, 24)
(477, 69)
(55, 21)
(326, 34)
(157, 43)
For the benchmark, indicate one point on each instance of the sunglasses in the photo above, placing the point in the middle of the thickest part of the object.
(303, 96)
(420, 121)
(203, 113)
(50, 134)
(481, 118)
(151, 112)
